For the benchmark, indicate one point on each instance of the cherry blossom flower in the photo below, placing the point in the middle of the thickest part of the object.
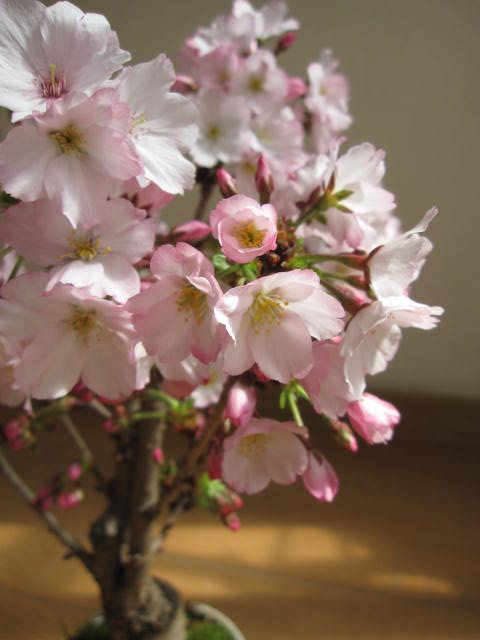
(224, 128)
(327, 100)
(163, 126)
(373, 335)
(396, 264)
(75, 151)
(271, 320)
(48, 52)
(244, 229)
(64, 336)
(325, 383)
(261, 452)
(190, 377)
(319, 478)
(99, 258)
(269, 21)
(174, 316)
(373, 418)
(260, 81)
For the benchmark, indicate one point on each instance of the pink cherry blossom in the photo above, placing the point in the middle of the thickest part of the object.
(325, 383)
(75, 151)
(224, 128)
(272, 320)
(327, 100)
(396, 264)
(263, 451)
(373, 418)
(48, 52)
(269, 21)
(99, 258)
(373, 335)
(64, 336)
(319, 478)
(190, 377)
(260, 81)
(174, 316)
(163, 126)
(244, 229)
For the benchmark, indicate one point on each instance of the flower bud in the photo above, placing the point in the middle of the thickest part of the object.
(232, 521)
(240, 405)
(226, 184)
(296, 89)
(264, 180)
(158, 455)
(75, 472)
(110, 425)
(373, 419)
(344, 435)
(184, 84)
(69, 499)
(190, 231)
(285, 42)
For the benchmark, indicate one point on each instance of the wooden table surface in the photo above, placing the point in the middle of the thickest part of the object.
(395, 557)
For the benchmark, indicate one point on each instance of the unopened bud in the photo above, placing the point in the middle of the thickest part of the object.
(226, 184)
(158, 455)
(184, 84)
(75, 472)
(232, 521)
(69, 499)
(110, 425)
(296, 89)
(344, 435)
(285, 42)
(190, 231)
(264, 181)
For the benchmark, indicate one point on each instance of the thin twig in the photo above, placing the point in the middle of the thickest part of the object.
(87, 455)
(205, 193)
(100, 408)
(54, 526)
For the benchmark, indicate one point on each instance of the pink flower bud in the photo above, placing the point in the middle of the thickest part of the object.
(264, 180)
(296, 89)
(240, 405)
(285, 42)
(194, 230)
(373, 419)
(232, 521)
(226, 183)
(184, 84)
(110, 425)
(158, 455)
(75, 472)
(319, 478)
(69, 499)
(344, 436)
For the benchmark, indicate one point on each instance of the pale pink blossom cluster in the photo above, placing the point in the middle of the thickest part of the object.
(297, 279)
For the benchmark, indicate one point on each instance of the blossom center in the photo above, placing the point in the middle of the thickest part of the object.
(256, 84)
(68, 139)
(213, 132)
(83, 322)
(254, 445)
(55, 85)
(191, 300)
(267, 311)
(86, 248)
(248, 234)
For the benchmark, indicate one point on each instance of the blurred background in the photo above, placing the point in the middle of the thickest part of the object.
(396, 555)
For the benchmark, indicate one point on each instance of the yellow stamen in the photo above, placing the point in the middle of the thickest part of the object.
(68, 139)
(213, 132)
(83, 322)
(248, 234)
(267, 312)
(256, 84)
(85, 249)
(189, 300)
(255, 444)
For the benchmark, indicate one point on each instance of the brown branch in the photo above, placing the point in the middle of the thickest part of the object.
(74, 546)
(199, 448)
(87, 455)
(205, 193)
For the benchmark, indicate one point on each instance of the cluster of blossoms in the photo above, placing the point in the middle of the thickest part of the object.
(296, 280)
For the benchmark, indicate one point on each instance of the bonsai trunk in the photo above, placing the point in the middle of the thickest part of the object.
(136, 606)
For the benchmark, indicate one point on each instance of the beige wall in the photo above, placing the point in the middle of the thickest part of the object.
(414, 69)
